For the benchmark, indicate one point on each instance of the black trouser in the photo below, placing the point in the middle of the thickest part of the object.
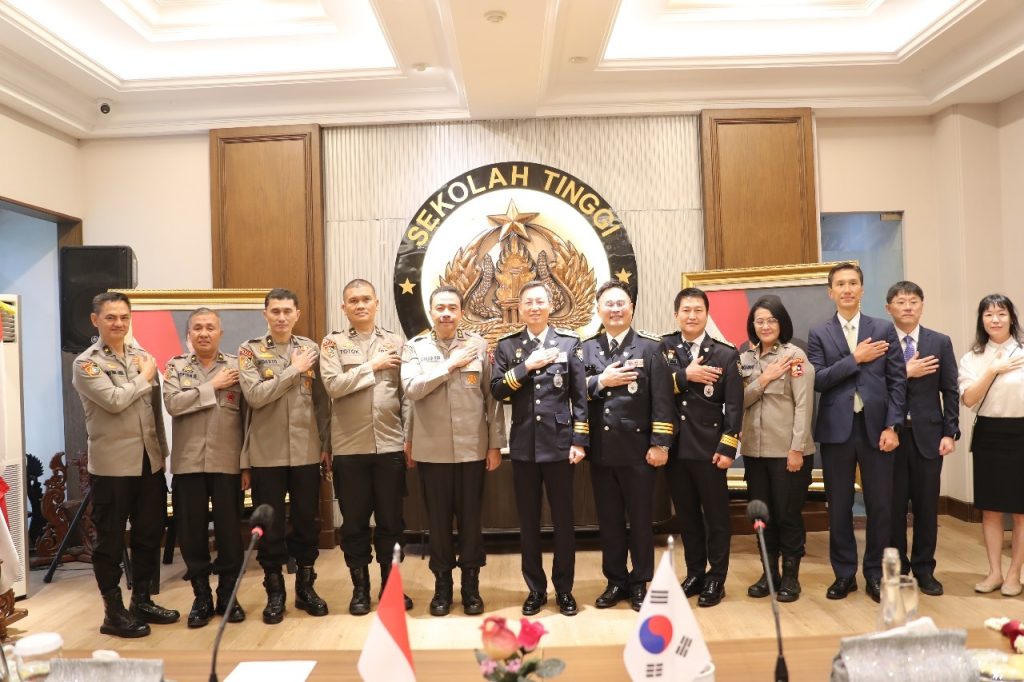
(193, 495)
(840, 462)
(454, 492)
(784, 492)
(302, 484)
(117, 500)
(531, 479)
(618, 491)
(700, 495)
(364, 485)
(915, 479)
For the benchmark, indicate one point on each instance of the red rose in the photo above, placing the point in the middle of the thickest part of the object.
(530, 634)
(499, 642)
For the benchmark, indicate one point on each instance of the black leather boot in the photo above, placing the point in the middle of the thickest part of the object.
(273, 582)
(472, 603)
(117, 621)
(306, 597)
(760, 588)
(441, 603)
(385, 571)
(790, 589)
(360, 604)
(145, 610)
(202, 605)
(224, 587)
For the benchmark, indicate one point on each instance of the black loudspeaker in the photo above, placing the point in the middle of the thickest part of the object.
(84, 272)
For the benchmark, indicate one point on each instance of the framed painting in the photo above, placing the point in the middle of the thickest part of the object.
(160, 316)
(802, 289)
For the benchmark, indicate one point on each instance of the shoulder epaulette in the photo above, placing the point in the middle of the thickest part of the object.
(648, 335)
(422, 335)
(303, 338)
(566, 332)
(179, 357)
(510, 335)
(721, 341)
(595, 335)
(668, 334)
(258, 339)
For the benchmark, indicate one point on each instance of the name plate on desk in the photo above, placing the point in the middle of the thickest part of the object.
(94, 670)
(279, 671)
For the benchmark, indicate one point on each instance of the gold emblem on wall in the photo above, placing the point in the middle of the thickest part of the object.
(490, 270)
(497, 227)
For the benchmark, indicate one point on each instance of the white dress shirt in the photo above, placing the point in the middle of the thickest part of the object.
(1005, 396)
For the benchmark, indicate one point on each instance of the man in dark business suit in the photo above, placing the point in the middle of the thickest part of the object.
(929, 433)
(632, 418)
(860, 374)
(540, 369)
(709, 399)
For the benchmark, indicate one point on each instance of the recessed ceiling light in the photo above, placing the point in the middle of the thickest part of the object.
(577, 60)
(495, 16)
(420, 66)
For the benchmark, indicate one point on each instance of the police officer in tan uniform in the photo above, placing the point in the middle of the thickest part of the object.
(456, 434)
(361, 373)
(117, 383)
(287, 432)
(202, 394)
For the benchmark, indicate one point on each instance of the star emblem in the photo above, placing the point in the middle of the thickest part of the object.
(407, 286)
(623, 275)
(513, 221)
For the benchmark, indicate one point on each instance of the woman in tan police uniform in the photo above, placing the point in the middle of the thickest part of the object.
(777, 443)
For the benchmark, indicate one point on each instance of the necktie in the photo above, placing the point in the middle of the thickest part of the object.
(687, 354)
(909, 351)
(851, 341)
(613, 346)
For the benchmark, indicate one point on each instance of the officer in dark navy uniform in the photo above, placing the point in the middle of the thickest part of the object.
(541, 370)
(632, 417)
(709, 397)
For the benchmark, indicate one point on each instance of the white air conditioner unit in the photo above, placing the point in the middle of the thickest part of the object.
(12, 436)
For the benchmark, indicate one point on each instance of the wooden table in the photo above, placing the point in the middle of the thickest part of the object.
(808, 658)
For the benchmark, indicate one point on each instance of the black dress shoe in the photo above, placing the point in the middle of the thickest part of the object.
(534, 602)
(693, 585)
(611, 596)
(841, 587)
(566, 604)
(873, 586)
(637, 593)
(713, 592)
(927, 583)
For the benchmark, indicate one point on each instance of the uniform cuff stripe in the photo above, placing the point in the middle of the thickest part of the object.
(730, 441)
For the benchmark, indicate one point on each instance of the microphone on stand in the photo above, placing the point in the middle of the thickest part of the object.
(757, 514)
(260, 520)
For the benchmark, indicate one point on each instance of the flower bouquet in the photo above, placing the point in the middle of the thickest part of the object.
(503, 658)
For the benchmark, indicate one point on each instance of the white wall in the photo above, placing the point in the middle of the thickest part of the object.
(1011, 167)
(28, 267)
(152, 194)
(40, 167)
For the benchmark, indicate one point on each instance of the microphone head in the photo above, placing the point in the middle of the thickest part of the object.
(757, 510)
(262, 516)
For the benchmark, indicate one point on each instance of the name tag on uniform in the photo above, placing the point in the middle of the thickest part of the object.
(432, 358)
(562, 357)
(635, 363)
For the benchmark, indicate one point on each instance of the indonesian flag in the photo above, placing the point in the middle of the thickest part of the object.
(386, 654)
(668, 643)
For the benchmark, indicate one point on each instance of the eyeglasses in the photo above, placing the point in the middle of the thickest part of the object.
(766, 322)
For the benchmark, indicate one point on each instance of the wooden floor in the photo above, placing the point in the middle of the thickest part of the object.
(71, 605)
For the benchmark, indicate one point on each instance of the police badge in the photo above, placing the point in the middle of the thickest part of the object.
(633, 387)
(558, 381)
(709, 390)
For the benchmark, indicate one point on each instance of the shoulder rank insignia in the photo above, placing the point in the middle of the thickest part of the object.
(566, 332)
(721, 341)
(648, 335)
(510, 335)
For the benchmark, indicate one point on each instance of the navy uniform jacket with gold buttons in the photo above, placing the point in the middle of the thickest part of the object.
(624, 423)
(710, 417)
(549, 405)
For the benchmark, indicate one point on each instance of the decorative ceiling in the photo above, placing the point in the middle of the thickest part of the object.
(175, 66)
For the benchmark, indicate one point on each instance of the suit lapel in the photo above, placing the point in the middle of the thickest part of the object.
(838, 336)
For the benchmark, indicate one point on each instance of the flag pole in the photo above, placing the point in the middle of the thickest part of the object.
(671, 552)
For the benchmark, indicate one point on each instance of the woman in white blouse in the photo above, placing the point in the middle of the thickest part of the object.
(992, 385)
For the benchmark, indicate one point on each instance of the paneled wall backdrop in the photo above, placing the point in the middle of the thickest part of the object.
(648, 169)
